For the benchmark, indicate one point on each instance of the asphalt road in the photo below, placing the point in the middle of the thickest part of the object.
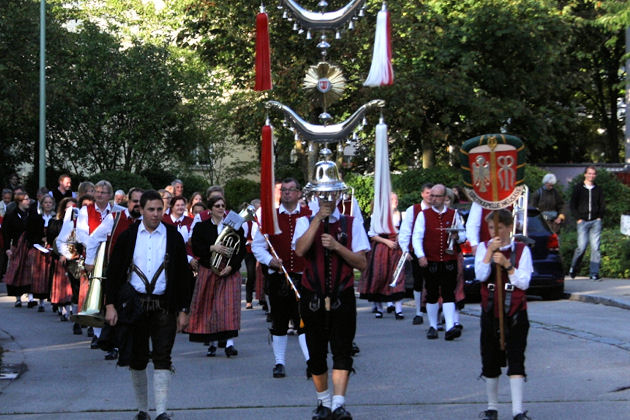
(578, 365)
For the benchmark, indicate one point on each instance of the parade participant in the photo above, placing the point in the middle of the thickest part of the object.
(514, 261)
(382, 262)
(195, 198)
(250, 259)
(166, 199)
(197, 208)
(211, 192)
(90, 217)
(63, 190)
(18, 276)
(178, 187)
(328, 305)
(110, 229)
(119, 197)
(284, 305)
(183, 223)
(549, 201)
(430, 245)
(404, 240)
(587, 207)
(85, 188)
(147, 250)
(215, 308)
(460, 297)
(40, 257)
(61, 289)
(13, 204)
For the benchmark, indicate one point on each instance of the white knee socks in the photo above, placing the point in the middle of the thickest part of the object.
(139, 381)
(279, 344)
(161, 381)
(448, 309)
(432, 314)
(417, 297)
(492, 391)
(516, 388)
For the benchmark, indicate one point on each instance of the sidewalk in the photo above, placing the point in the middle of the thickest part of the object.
(611, 292)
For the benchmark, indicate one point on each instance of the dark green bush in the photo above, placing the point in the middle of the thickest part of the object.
(614, 249)
(238, 191)
(616, 196)
(194, 183)
(158, 177)
(121, 180)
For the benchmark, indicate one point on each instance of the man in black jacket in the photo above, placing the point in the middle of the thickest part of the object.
(148, 287)
(587, 206)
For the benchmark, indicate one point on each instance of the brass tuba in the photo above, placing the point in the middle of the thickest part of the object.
(92, 313)
(229, 238)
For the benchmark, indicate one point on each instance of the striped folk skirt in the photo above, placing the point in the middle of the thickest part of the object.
(61, 289)
(84, 286)
(40, 273)
(377, 276)
(18, 276)
(215, 310)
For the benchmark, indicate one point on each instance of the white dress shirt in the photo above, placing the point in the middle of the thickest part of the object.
(360, 241)
(418, 230)
(83, 227)
(473, 224)
(521, 276)
(404, 234)
(148, 256)
(259, 244)
(99, 235)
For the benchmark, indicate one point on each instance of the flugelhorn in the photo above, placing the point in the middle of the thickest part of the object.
(92, 313)
(400, 267)
(230, 238)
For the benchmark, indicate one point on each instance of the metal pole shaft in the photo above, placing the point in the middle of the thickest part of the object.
(627, 132)
(42, 94)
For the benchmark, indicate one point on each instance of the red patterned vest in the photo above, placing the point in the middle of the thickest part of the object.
(417, 208)
(94, 217)
(341, 274)
(282, 242)
(345, 206)
(435, 239)
(519, 297)
(121, 224)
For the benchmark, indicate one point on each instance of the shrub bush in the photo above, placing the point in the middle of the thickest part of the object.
(121, 180)
(158, 177)
(194, 183)
(239, 190)
(614, 249)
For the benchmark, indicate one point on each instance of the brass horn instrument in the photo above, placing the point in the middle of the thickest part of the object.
(92, 313)
(229, 238)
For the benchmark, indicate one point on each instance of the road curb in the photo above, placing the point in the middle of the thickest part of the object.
(602, 300)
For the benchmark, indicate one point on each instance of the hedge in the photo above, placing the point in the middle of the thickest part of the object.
(614, 249)
(121, 180)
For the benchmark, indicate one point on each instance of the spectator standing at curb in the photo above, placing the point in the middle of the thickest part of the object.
(587, 206)
(549, 201)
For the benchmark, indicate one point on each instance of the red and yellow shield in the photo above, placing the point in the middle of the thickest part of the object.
(493, 166)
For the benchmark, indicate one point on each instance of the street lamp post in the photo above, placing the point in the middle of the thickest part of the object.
(42, 93)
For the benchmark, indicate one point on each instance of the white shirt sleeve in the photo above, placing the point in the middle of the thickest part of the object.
(83, 228)
(62, 238)
(521, 276)
(473, 224)
(418, 236)
(260, 249)
(404, 234)
(459, 223)
(301, 226)
(360, 241)
(97, 237)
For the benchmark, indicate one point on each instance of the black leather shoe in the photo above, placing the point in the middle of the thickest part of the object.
(90, 332)
(112, 355)
(94, 343)
(76, 329)
(417, 320)
(321, 413)
(163, 416)
(489, 415)
(378, 314)
(18, 304)
(31, 304)
(399, 315)
(142, 415)
(459, 326)
(355, 349)
(212, 351)
(278, 371)
(452, 334)
(390, 309)
(231, 351)
(432, 334)
(41, 309)
(596, 277)
(341, 413)
(522, 416)
(572, 273)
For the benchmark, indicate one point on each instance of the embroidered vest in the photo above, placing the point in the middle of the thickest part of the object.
(518, 300)
(435, 238)
(282, 242)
